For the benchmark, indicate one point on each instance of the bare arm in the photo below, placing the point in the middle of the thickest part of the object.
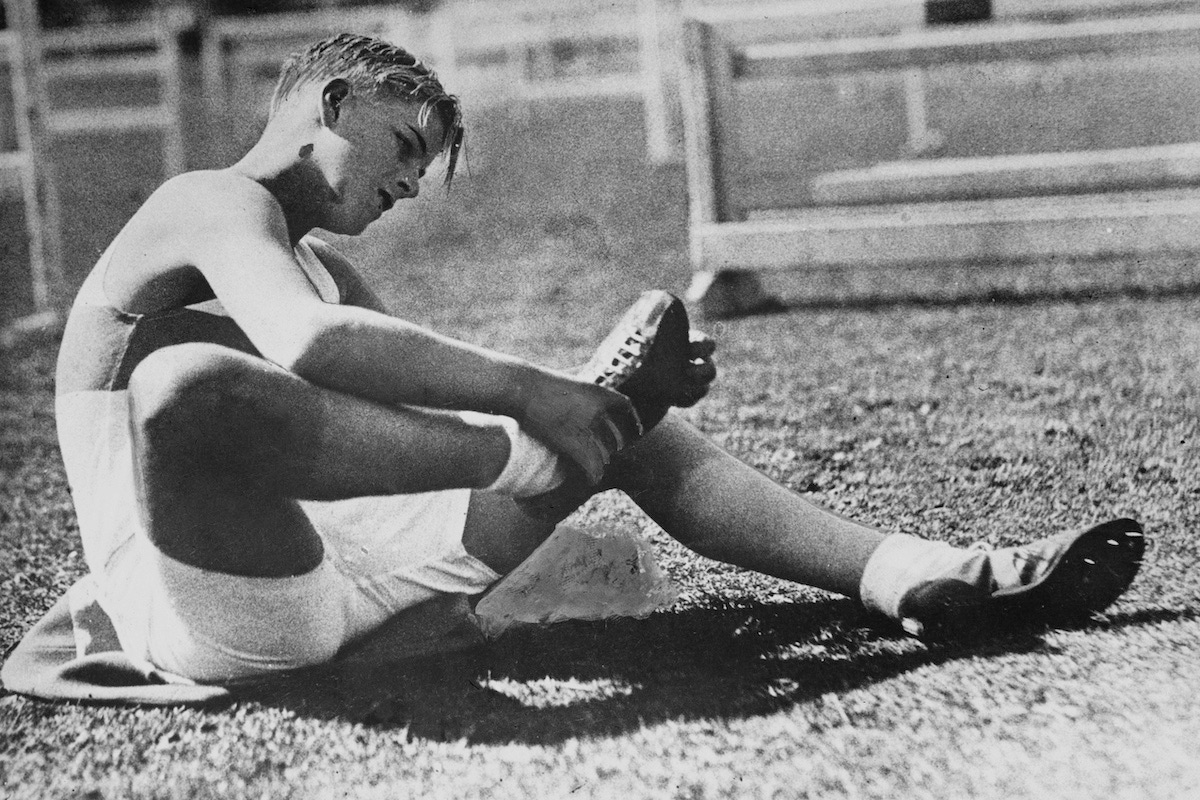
(241, 247)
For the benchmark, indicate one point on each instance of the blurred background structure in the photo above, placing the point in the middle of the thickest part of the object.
(30, 257)
(798, 132)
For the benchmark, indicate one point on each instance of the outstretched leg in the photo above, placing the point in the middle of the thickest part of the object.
(716, 505)
(725, 509)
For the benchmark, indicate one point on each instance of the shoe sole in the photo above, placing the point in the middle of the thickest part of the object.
(646, 317)
(654, 313)
(1092, 571)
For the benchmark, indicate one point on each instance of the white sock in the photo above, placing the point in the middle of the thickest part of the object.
(532, 468)
(902, 562)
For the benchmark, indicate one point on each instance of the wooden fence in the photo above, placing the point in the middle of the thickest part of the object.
(520, 54)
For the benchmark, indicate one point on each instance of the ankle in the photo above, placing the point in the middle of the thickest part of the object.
(530, 467)
(901, 562)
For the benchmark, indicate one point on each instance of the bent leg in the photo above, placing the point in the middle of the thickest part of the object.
(225, 443)
(500, 534)
(725, 509)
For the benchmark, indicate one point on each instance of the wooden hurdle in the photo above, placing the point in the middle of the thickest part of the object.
(1083, 9)
(523, 53)
(797, 156)
(137, 54)
(25, 170)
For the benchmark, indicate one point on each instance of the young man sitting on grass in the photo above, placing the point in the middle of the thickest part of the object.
(221, 365)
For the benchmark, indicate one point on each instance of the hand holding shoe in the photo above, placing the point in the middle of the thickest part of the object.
(585, 422)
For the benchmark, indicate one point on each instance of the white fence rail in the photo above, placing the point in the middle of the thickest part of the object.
(144, 58)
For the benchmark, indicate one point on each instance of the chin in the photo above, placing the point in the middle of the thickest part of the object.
(349, 227)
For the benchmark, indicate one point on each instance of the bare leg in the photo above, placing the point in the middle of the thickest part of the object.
(225, 443)
(499, 533)
(710, 501)
(725, 509)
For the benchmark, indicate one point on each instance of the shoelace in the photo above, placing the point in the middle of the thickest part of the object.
(1027, 564)
(628, 359)
(1024, 565)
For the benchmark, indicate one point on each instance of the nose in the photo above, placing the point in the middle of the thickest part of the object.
(409, 185)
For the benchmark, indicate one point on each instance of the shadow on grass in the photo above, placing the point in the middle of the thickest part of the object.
(1145, 616)
(988, 297)
(543, 685)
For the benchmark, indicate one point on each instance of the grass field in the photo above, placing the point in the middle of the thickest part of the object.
(992, 403)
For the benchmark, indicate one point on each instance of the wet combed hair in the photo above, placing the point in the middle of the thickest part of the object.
(372, 67)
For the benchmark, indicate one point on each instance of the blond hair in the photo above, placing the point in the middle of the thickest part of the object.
(373, 67)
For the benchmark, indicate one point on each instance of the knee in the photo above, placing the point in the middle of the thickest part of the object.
(189, 395)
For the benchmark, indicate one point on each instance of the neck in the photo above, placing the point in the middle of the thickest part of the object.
(281, 166)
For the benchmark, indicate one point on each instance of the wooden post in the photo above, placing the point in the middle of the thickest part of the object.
(659, 146)
(716, 293)
(171, 22)
(21, 47)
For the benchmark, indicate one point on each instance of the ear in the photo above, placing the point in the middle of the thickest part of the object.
(332, 97)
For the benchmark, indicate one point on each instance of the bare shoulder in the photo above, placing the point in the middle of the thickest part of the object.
(190, 220)
(194, 201)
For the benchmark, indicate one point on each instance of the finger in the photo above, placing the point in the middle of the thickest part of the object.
(591, 465)
(607, 436)
(702, 372)
(629, 424)
(613, 424)
(617, 434)
(591, 457)
(700, 345)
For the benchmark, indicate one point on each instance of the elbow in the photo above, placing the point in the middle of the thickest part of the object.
(313, 352)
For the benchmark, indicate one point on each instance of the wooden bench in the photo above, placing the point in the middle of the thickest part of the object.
(1067, 139)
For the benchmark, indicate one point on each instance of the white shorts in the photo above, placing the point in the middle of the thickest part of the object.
(214, 627)
(382, 556)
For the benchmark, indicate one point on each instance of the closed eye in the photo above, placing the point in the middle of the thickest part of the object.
(405, 146)
(406, 151)
(420, 139)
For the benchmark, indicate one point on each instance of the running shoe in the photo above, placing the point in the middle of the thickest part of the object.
(645, 355)
(1058, 581)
